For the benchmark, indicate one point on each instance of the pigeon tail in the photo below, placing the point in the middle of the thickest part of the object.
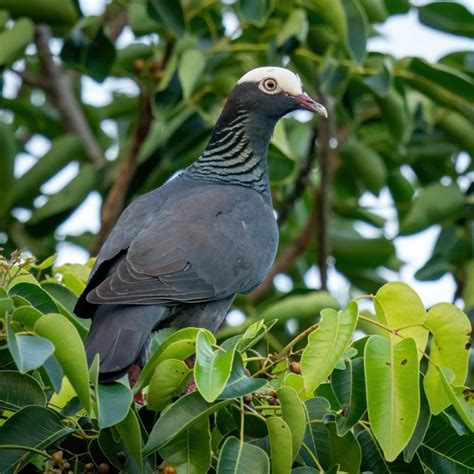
(121, 335)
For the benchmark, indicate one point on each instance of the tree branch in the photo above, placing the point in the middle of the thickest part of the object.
(113, 205)
(301, 180)
(323, 194)
(62, 96)
(287, 258)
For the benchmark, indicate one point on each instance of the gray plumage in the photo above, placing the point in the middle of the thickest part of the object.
(178, 255)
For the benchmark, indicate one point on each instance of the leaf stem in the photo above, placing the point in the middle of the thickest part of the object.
(25, 448)
(282, 354)
(313, 457)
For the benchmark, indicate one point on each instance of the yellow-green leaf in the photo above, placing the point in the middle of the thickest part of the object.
(69, 351)
(326, 344)
(280, 445)
(393, 395)
(397, 306)
(449, 348)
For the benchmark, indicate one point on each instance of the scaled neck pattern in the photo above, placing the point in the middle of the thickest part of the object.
(237, 152)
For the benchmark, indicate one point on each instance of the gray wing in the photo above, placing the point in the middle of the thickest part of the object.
(201, 246)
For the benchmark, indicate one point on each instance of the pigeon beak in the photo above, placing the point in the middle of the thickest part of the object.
(306, 102)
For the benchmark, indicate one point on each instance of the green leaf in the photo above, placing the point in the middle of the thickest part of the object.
(15, 40)
(129, 430)
(327, 344)
(190, 70)
(420, 429)
(28, 352)
(26, 316)
(397, 306)
(393, 398)
(435, 203)
(53, 12)
(444, 451)
(357, 26)
(180, 345)
(239, 383)
(170, 14)
(113, 402)
(59, 155)
(69, 351)
(366, 164)
(179, 417)
(32, 427)
(36, 296)
(449, 348)
(19, 390)
(450, 17)
(294, 414)
(7, 178)
(212, 368)
(461, 397)
(166, 382)
(280, 445)
(242, 458)
(190, 452)
(349, 388)
(255, 11)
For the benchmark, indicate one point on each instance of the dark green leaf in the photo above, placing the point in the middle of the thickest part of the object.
(36, 296)
(113, 401)
(242, 458)
(170, 14)
(255, 11)
(32, 427)
(19, 390)
(178, 417)
(450, 17)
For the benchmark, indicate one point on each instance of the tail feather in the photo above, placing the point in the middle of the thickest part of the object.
(120, 334)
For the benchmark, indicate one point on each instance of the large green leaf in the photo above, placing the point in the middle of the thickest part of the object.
(19, 390)
(434, 204)
(38, 298)
(113, 402)
(170, 14)
(32, 427)
(294, 414)
(7, 138)
(450, 17)
(179, 417)
(190, 70)
(237, 457)
(349, 388)
(190, 452)
(212, 368)
(69, 351)
(15, 40)
(180, 345)
(398, 306)
(444, 451)
(393, 397)
(166, 382)
(449, 348)
(53, 12)
(28, 352)
(280, 445)
(326, 345)
(129, 430)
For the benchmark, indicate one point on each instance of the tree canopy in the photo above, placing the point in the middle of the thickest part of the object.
(399, 130)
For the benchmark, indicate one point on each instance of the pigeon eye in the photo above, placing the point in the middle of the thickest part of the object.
(270, 85)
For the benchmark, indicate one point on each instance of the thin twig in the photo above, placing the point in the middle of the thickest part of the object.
(62, 96)
(323, 195)
(301, 180)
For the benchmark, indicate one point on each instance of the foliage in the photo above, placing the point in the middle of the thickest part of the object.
(400, 128)
(389, 402)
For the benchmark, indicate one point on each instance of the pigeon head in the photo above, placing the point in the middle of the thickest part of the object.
(273, 91)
